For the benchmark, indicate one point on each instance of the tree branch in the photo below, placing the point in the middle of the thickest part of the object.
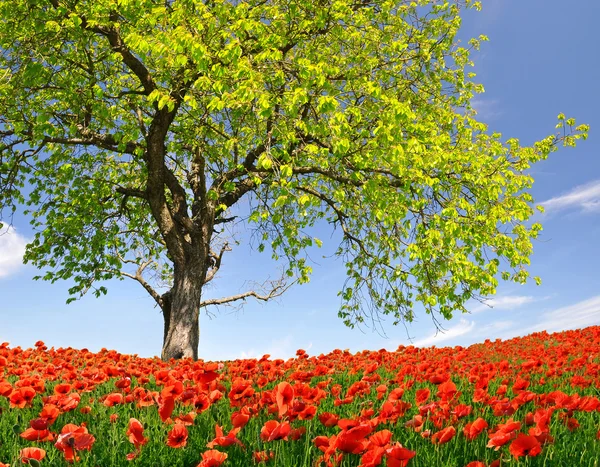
(132, 62)
(139, 278)
(216, 262)
(279, 288)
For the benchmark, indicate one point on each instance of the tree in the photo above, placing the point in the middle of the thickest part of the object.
(133, 129)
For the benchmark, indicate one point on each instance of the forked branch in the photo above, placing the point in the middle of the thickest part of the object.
(278, 288)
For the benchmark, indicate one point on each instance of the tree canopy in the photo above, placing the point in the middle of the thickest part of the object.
(133, 129)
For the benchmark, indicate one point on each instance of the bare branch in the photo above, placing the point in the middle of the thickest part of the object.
(216, 262)
(139, 278)
(278, 288)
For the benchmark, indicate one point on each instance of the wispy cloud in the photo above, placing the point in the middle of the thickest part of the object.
(584, 198)
(579, 315)
(487, 109)
(507, 302)
(12, 248)
(462, 328)
(490, 330)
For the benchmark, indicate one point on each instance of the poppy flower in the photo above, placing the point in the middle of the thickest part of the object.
(50, 413)
(123, 383)
(380, 438)
(240, 418)
(212, 458)
(263, 456)
(273, 430)
(224, 441)
(68, 402)
(398, 456)
(186, 419)
(165, 408)
(329, 419)
(499, 439)
(373, 457)
(62, 388)
(172, 390)
(443, 436)
(113, 399)
(21, 397)
(31, 453)
(177, 437)
(32, 434)
(353, 440)
(73, 438)
(284, 394)
(135, 433)
(132, 455)
(297, 433)
(525, 445)
(422, 395)
(474, 429)
(381, 390)
(240, 391)
(416, 423)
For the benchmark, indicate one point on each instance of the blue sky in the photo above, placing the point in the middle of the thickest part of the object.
(541, 60)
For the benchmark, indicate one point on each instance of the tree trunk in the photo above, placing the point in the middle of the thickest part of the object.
(181, 313)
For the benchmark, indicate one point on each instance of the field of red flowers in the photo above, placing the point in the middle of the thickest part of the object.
(531, 401)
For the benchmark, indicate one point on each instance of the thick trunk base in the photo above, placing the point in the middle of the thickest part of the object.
(181, 314)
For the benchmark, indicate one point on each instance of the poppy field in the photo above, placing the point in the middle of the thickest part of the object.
(531, 401)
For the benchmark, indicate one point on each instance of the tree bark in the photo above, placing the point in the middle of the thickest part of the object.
(181, 313)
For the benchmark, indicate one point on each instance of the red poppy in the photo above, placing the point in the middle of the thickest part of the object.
(50, 413)
(212, 458)
(69, 402)
(21, 397)
(73, 438)
(329, 419)
(353, 440)
(422, 395)
(263, 456)
(474, 429)
(380, 438)
(443, 436)
(165, 408)
(398, 456)
(135, 433)
(31, 453)
(273, 430)
(416, 423)
(240, 418)
(284, 395)
(525, 445)
(32, 434)
(113, 399)
(172, 390)
(224, 441)
(177, 437)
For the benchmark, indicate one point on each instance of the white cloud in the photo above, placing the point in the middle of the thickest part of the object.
(580, 315)
(489, 330)
(585, 198)
(12, 248)
(487, 109)
(507, 302)
(462, 328)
